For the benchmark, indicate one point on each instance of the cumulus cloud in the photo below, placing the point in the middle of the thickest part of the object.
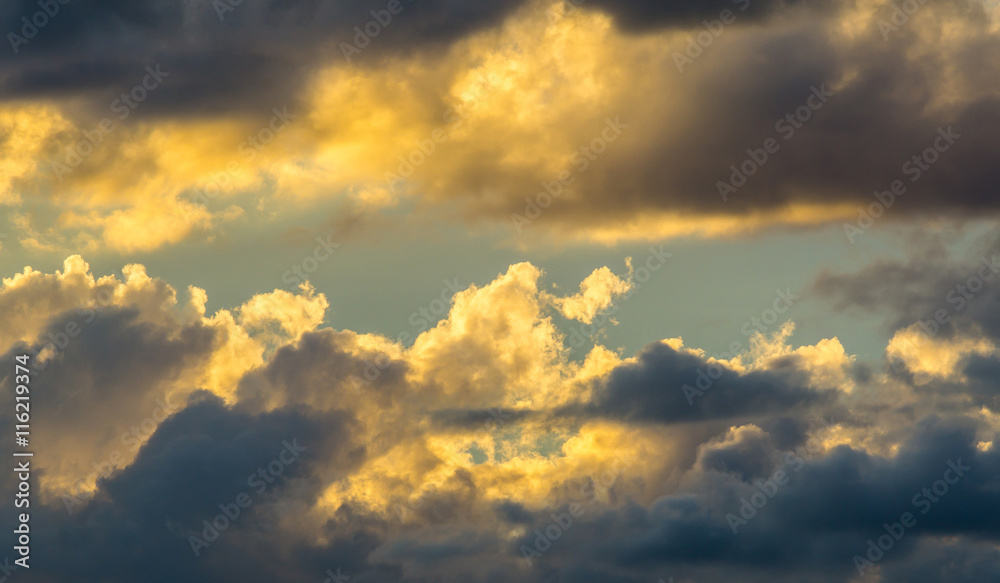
(252, 440)
(452, 455)
(597, 292)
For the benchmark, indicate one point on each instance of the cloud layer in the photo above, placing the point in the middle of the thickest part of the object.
(482, 451)
(678, 119)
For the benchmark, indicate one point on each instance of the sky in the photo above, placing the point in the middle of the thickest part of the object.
(420, 291)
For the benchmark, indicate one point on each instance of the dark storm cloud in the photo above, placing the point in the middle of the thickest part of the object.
(983, 381)
(786, 432)
(116, 360)
(750, 457)
(969, 562)
(809, 529)
(245, 57)
(320, 370)
(887, 107)
(173, 464)
(104, 389)
(108, 355)
(842, 147)
(478, 418)
(137, 526)
(653, 390)
(255, 57)
(223, 56)
(635, 15)
(202, 455)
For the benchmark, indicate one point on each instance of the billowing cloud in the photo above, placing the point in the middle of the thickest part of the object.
(501, 460)
(279, 434)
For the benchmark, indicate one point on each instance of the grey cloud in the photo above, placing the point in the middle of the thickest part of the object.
(653, 390)
(254, 58)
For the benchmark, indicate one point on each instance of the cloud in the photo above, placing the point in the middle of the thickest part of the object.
(665, 385)
(745, 451)
(597, 158)
(949, 291)
(243, 56)
(486, 450)
(419, 465)
(635, 15)
(597, 292)
(198, 459)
